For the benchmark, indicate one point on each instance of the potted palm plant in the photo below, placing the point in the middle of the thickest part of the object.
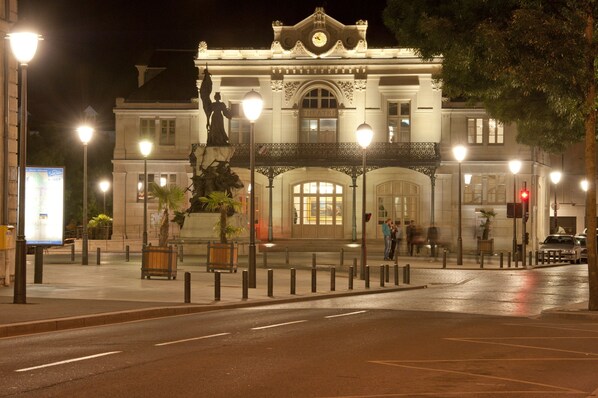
(161, 260)
(486, 245)
(223, 254)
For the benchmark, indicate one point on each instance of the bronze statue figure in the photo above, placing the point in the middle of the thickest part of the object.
(215, 113)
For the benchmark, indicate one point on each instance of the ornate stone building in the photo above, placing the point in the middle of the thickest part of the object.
(319, 81)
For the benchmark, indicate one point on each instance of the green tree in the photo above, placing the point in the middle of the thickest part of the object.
(218, 201)
(531, 62)
(170, 198)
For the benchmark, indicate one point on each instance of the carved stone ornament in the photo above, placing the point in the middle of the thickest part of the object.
(360, 84)
(202, 48)
(347, 89)
(276, 85)
(290, 88)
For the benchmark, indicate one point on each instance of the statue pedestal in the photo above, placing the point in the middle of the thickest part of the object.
(199, 229)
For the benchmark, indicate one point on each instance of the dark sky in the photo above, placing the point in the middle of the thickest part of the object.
(90, 47)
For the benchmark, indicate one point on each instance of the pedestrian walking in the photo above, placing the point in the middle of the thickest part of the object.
(410, 237)
(386, 234)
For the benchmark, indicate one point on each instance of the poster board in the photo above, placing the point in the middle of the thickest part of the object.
(44, 205)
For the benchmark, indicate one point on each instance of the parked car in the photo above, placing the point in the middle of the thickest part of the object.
(584, 249)
(567, 246)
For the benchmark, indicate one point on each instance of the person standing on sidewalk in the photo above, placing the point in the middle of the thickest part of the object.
(393, 241)
(410, 237)
(387, 242)
(399, 235)
(433, 239)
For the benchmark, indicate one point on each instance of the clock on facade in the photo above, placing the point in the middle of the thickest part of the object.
(319, 39)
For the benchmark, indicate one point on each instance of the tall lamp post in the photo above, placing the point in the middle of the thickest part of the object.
(252, 107)
(104, 186)
(515, 167)
(23, 46)
(364, 137)
(555, 177)
(85, 133)
(459, 153)
(145, 147)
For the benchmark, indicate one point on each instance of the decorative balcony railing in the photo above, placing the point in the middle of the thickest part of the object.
(379, 154)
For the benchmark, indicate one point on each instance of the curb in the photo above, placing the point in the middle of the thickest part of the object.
(82, 321)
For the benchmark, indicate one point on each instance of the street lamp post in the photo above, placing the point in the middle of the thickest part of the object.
(364, 137)
(252, 107)
(585, 185)
(104, 185)
(85, 133)
(459, 152)
(515, 167)
(555, 177)
(145, 147)
(23, 46)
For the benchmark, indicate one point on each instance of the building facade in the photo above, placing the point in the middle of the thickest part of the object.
(319, 81)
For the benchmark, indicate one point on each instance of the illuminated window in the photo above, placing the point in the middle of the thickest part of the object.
(399, 122)
(399, 201)
(162, 179)
(484, 131)
(319, 117)
(485, 189)
(317, 203)
(239, 126)
(147, 128)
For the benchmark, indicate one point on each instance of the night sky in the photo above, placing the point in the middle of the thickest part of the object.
(90, 47)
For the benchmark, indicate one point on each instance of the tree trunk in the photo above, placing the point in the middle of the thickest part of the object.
(590, 163)
(163, 235)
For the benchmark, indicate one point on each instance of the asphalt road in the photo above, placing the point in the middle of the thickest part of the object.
(453, 340)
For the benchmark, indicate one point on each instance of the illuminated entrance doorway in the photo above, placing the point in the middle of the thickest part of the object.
(317, 211)
(399, 201)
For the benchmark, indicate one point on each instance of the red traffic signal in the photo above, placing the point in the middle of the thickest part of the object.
(524, 195)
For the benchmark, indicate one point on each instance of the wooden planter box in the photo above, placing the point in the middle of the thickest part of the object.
(158, 261)
(222, 256)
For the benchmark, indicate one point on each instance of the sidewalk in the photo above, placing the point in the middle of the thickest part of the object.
(73, 295)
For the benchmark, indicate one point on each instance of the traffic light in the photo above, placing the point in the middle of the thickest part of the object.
(524, 196)
(526, 238)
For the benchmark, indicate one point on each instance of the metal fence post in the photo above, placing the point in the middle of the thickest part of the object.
(407, 274)
(98, 259)
(293, 280)
(444, 259)
(387, 273)
(217, 286)
(351, 278)
(332, 279)
(354, 266)
(501, 259)
(313, 280)
(396, 274)
(73, 253)
(509, 259)
(187, 287)
(245, 284)
(270, 282)
(382, 268)
(367, 276)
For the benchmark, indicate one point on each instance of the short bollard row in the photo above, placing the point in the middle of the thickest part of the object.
(384, 277)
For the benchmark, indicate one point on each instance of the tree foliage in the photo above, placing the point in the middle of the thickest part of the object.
(525, 60)
(170, 198)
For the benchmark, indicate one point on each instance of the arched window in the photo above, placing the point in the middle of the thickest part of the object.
(319, 116)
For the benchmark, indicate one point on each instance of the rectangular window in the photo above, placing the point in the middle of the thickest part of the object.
(162, 179)
(495, 132)
(239, 127)
(485, 189)
(399, 122)
(475, 131)
(167, 130)
(147, 128)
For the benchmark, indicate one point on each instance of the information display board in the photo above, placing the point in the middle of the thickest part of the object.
(44, 206)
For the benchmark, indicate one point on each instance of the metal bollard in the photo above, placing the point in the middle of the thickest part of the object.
(270, 283)
(126, 253)
(543, 257)
(501, 259)
(313, 280)
(407, 274)
(217, 286)
(367, 276)
(293, 280)
(286, 255)
(245, 284)
(181, 253)
(382, 275)
(313, 260)
(342, 259)
(386, 273)
(530, 258)
(98, 259)
(187, 287)
(38, 273)
(444, 259)
(536, 260)
(73, 253)
(351, 278)
(560, 256)
(332, 279)
(265, 259)
(354, 266)
(396, 274)
(482, 260)
(509, 259)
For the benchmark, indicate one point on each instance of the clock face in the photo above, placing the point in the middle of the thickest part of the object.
(319, 39)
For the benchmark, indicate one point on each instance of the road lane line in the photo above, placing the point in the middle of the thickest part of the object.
(346, 314)
(278, 324)
(533, 347)
(191, 339)
(47, 365)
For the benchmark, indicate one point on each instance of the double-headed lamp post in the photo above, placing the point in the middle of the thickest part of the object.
(23, 46)
(515, 167)
(104, 186)
(85, 133)
(555, 177)
(145, 147)
(252, 108)
(364, 135)
(459, 152)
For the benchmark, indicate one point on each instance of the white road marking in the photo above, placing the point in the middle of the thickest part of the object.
(191, 339)
(346, 314)
(68, 361)
(277, 325)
